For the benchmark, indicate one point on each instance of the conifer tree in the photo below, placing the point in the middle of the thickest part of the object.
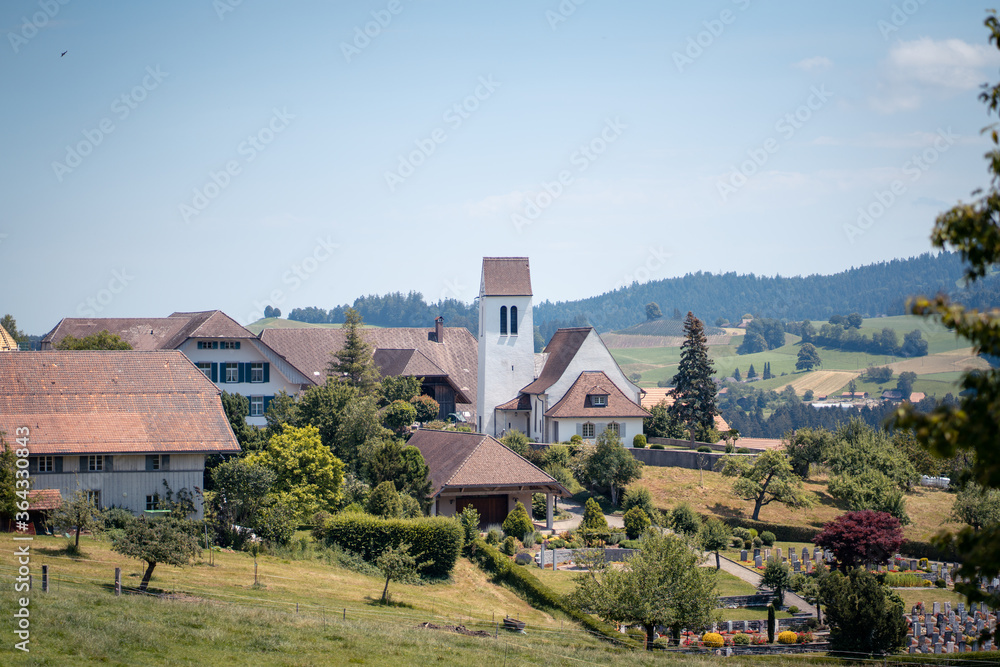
(353, 363)
(694, 390)
(751, 374)
(736, 374)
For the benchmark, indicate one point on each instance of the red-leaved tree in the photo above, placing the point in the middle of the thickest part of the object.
(865, 536)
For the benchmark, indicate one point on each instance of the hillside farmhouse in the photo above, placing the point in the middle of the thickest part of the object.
(116, 425)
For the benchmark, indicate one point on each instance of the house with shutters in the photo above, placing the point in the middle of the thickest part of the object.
(444, 357)
(115, 424)
(573, 387)
(227, 353)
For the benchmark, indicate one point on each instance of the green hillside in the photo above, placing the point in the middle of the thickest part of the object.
(278, 323)
(664, 327)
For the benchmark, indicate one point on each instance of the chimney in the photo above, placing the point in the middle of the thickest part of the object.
(439, 329)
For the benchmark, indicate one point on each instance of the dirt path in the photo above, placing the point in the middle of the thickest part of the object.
(576, 511)
(753, 578)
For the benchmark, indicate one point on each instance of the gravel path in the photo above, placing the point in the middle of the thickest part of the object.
(753, 578)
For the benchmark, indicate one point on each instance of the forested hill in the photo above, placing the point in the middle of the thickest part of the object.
(870, 290)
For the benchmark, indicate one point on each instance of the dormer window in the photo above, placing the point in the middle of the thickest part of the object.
(599, 400)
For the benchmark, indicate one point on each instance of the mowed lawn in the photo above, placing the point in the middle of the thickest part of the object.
(710, 493)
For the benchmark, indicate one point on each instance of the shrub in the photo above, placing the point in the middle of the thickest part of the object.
(742, 450)
(713, 640)
(923, 564)
(741, 639)
(593, 517)
(737, 542)
(318, 519)
(384, 501)
(636, 522)
(436, 539)
(793, 610)
(730, 448)
(940, 583)
(523, 558)
(804, 637)
(576, 439)
(354, 507)
(683, 519)
(518, 523)
(639, 496)
(509, 545)
(639, 441)
(757, 543)
(927, 583)
(493, 535)
(742, 533)
(531, 538)
(753, 533)
(704, 449)
(767, 537)
(787, 637)
(115, 518)
(897, 580)
(628, 544)
(469, 518)
(538, 508)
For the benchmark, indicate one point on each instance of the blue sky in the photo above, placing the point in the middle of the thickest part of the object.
(199, 155)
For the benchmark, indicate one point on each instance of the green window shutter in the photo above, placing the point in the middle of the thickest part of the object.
(165, 462)
(215, 345)
(58, 462)
(149, 463)
(237, 345)
(267, 402)
(109, 463)
(32, 464)
(267, 373)
(241, 370)
(215, 372)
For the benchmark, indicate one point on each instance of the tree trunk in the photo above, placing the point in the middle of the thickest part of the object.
(147, 576)
(78, 535)
(385, 591)
(718, 564)
(649, 636)
(756, 508)
(819, 614)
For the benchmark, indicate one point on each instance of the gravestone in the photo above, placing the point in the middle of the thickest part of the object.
(937, 608)
(796, 566)
(913, 563)
(809, 567)
(743, 556)
(778, 551)
(805, 553)
(756, 552)
(757, 562)
(729, 626)
(817, 553)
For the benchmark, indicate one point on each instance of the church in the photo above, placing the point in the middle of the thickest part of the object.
(574, 387)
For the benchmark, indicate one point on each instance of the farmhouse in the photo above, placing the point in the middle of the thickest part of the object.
(117, 425)
(232, 357)
(445, 357)
(574, 387)
(472, 469)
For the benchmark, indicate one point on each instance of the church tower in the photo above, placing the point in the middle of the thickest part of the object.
(506, 337)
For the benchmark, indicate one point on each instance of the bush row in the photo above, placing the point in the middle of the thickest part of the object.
(436, 539)
(537, 594)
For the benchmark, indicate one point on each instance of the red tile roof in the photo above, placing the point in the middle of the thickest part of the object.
(44, 499)
(506, 276)
(151, 333)
(653, 396)
(91, 402)
(576, 402)
(411, 363)
(522, 402)
(473, 461)
(309, 350)
(563, 346)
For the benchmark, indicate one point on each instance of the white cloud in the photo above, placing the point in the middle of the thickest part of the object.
(921, 67)
(817, 62)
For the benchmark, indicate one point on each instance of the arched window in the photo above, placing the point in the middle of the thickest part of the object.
(513, 320)
(503, 320)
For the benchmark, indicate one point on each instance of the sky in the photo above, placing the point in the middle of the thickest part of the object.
(233, 154)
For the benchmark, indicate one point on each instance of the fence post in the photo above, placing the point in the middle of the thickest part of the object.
(118, 581)
(45, 578)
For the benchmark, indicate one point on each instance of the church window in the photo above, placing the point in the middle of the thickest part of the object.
(513, 320)
(503, 320)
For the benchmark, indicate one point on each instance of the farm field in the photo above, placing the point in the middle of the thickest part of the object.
(928, 508)
(937, 373)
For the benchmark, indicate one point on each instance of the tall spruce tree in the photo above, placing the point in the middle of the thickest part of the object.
(353, 363)
(751, 374)
(694, 390)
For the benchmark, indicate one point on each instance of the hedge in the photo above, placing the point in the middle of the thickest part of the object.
(783, 533)
(531, 589)
(438, 539)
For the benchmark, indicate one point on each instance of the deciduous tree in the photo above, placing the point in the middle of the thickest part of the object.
(167, 540)
(808, 358)
(79, 513)
(977, 507)
(715, 536)
(777, 577)
(857, 538)
(610, 466)
(102, 340)
(397, 564)
(662, 584)
(765, 479)
(653, 311)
